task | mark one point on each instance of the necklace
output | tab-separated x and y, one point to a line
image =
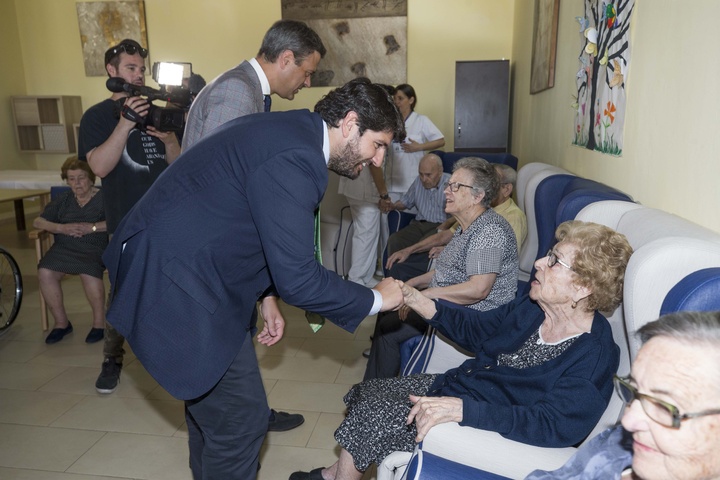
83	203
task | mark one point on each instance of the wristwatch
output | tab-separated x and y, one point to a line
94	228
384	196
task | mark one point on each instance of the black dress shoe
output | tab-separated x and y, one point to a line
311	475
58	334
95	335
283	421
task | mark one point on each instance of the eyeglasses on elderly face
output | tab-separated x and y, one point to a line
553	259
664	413
129	49
455	186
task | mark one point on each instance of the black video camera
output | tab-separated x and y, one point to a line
165	119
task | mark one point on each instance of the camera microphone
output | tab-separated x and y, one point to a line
179	96
117	85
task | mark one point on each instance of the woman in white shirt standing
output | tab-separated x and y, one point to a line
404	158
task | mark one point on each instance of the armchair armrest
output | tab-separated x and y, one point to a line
491	452
43	241
481	449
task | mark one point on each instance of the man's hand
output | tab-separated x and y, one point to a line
392	296
168	138
398	257
430	411
274	326
134	110
385	205
172	146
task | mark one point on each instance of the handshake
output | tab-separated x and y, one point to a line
397	294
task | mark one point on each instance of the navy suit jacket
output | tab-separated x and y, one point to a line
230	217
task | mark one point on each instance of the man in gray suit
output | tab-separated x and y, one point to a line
288	56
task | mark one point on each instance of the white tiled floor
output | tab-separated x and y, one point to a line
54	426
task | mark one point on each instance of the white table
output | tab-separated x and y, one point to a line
30	179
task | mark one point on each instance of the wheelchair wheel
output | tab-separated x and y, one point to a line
11	290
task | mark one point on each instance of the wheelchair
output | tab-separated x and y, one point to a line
11	290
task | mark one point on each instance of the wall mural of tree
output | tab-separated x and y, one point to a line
604	65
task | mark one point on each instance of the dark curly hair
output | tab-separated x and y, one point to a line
373	105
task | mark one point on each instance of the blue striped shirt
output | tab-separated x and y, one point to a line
430	203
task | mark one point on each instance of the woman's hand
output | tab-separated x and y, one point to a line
75	230
435	252
417	301
411	146
397	257
430	411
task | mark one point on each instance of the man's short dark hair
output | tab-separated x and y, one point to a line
112	54
375	108
290	35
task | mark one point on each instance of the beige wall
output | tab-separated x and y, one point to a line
12	82
670	159
671	145
217	35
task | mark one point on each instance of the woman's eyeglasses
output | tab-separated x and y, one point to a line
129	49
455	186
664	413
553	259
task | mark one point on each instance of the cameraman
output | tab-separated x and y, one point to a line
128	159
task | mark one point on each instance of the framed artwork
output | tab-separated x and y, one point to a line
363	39
104	24
545	31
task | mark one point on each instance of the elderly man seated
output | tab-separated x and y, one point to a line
427	197
411	261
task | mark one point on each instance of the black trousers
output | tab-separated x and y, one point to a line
390	332
228	424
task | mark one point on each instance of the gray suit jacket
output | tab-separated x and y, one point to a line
233	94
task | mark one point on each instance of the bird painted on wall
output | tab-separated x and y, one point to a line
610	15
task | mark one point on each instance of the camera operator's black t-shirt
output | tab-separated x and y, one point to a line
142	161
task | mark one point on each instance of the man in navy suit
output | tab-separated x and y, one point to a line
232	216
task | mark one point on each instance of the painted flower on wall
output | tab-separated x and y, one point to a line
609	112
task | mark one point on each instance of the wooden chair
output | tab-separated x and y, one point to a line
43	241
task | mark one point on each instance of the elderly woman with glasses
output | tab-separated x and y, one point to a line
671	426
478	269
543	367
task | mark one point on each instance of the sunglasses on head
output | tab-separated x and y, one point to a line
129	49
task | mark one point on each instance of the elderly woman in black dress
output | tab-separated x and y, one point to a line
77	219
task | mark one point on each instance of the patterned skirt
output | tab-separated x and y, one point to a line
377	410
